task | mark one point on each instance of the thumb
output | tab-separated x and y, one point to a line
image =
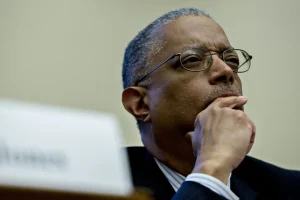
189	136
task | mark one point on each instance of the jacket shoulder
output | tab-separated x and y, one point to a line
136	156
261	174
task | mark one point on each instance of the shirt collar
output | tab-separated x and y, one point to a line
174	178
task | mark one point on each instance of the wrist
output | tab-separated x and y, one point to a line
213	168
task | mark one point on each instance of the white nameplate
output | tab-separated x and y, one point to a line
61	149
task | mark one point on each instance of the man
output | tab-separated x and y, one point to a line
181	82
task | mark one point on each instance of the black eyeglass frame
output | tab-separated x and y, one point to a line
249	57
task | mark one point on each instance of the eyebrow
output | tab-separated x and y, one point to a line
207	46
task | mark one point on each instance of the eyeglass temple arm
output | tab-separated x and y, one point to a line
140	79
247	60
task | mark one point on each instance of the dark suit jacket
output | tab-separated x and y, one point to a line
253	179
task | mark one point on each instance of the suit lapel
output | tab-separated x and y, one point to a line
146	174
158	181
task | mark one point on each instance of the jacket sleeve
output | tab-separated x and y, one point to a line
194	191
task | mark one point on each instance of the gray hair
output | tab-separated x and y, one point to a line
146	44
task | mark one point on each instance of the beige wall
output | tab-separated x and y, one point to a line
70	53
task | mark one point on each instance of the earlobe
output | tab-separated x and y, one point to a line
135	101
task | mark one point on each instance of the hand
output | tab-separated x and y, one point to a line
222	137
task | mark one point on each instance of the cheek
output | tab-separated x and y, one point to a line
238	84
176	104
166	99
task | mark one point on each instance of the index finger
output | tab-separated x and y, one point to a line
230	102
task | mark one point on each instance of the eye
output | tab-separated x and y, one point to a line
192	62
233	62
191	59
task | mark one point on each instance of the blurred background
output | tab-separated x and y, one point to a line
70	52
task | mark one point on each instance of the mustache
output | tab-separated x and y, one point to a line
217	92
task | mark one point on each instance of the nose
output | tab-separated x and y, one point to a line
220	72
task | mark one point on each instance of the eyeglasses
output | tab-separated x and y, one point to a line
197	60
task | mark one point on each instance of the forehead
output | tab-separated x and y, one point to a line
194	31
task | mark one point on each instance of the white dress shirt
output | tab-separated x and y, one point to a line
176	180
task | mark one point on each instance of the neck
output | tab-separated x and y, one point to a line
180	159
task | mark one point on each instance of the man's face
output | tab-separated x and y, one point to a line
176	96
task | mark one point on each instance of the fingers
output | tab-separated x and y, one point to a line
230	102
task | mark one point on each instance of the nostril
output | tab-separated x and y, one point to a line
221	79
224	79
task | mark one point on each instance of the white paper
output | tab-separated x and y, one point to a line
62	149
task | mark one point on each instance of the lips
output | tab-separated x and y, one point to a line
230	94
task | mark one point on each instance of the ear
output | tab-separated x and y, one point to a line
135	101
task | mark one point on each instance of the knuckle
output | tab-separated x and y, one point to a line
249	126
240	114
198	119
196	122
215	110
253	127
200	115
220	100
